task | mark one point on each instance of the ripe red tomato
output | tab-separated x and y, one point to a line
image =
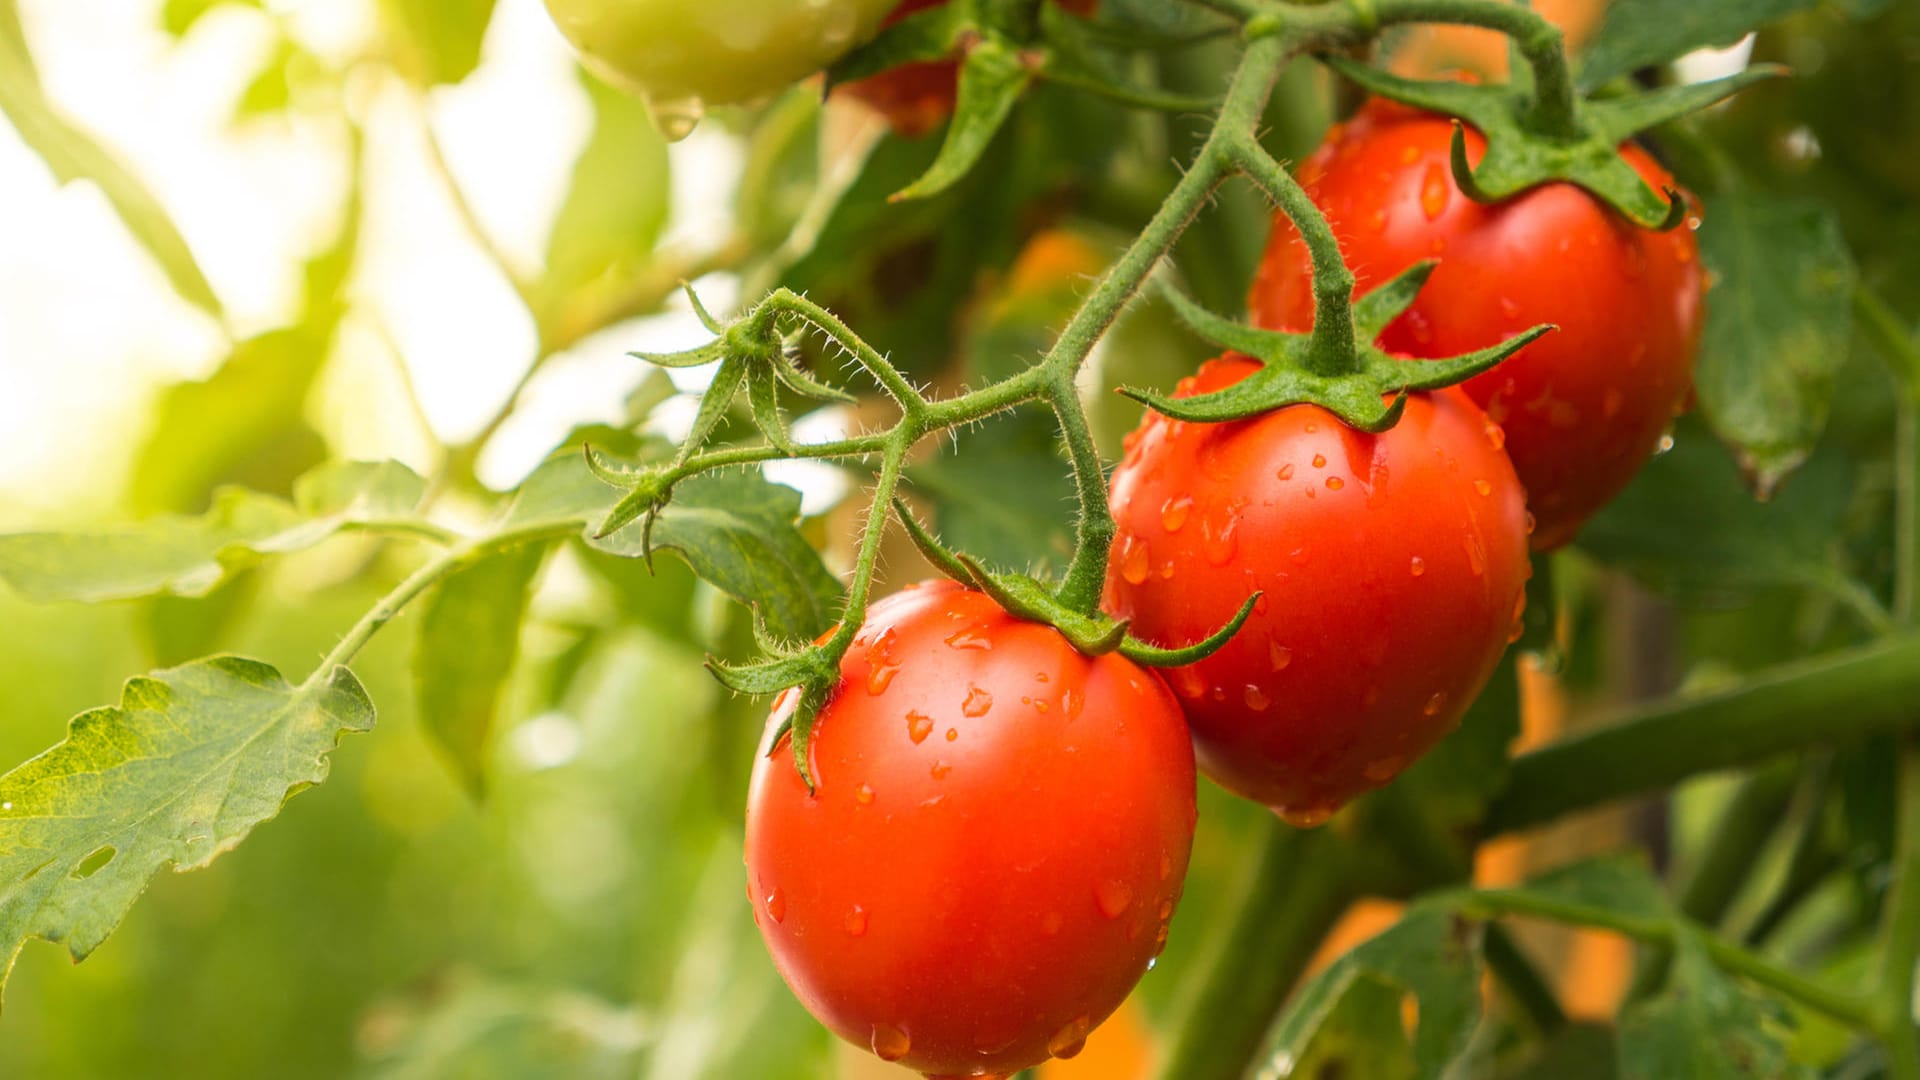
1584	406
916	98
1392	568
995	844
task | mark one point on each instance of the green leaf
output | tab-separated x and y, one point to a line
1647	33
183	556
73	154
436	41
1431	954
737	530
1778	327
180	771
1731	545
1003	493
1620	883
614	209
1704	1026
469	641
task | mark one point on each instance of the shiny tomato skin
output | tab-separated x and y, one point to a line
995	844
917	98
1392	569
1584	407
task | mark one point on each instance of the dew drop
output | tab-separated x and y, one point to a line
1304	817
1166	910
978	702
1159	943
1070	1040
1189	683
1112	897
1530	523
1166	866
953	734
1166	570
1409	155
1174	513
1300	556
1218	693
1071	702
1496	435
1256	698
973	637
1418	567
1666	444
890	1043
1279	656
1435	703
1483	487
1381	770
856	921
1334	483
675	118
1319	461
1434	192
1312	427
881	666
1218	543
1286	471
940	770
1476	554
777	905
863	795
919	726
1133	564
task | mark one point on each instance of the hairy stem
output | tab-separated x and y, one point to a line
1332	349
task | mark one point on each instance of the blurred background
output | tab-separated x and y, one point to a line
301	230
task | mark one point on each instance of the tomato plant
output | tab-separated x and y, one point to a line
1542	540
1322	695
1582	408
994	844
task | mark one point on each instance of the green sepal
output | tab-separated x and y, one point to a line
928	35
1023	597
1518	158
931	549
1149	655
714	405
807	386
992	78
712	352
763	395
776	674
647	491
1370	398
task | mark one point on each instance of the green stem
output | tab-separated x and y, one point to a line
1900	936
1093	535
1839	697
1897	344
1332	349
1540	41
895	384
1301	886
1849	1008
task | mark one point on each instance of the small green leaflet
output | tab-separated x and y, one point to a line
1704	1026
735	528
73	154
180	771
1779	324
1648	33
469	641
189	556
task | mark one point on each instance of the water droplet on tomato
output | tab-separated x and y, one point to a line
1256	698
919	725
863	794
1304	817
1531	523
882	667
1300	556
1334	483
953	734
1666	444
1409	155
1218	693
1381	770
1319	461
1435	703
940	770
978	702
1166	866
890	1043
1133	562
1434	191
1070	1040
1418	566
1496	435
1166	570
1173	513
1071	702
777	905
1476	554
1112	897
856	921
1279	656
973	637
1483	487
675	118
1217	540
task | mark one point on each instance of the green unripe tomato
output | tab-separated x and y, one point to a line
681	54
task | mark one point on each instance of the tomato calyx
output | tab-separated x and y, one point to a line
1003	47
1357	391
1091	633
1580	145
